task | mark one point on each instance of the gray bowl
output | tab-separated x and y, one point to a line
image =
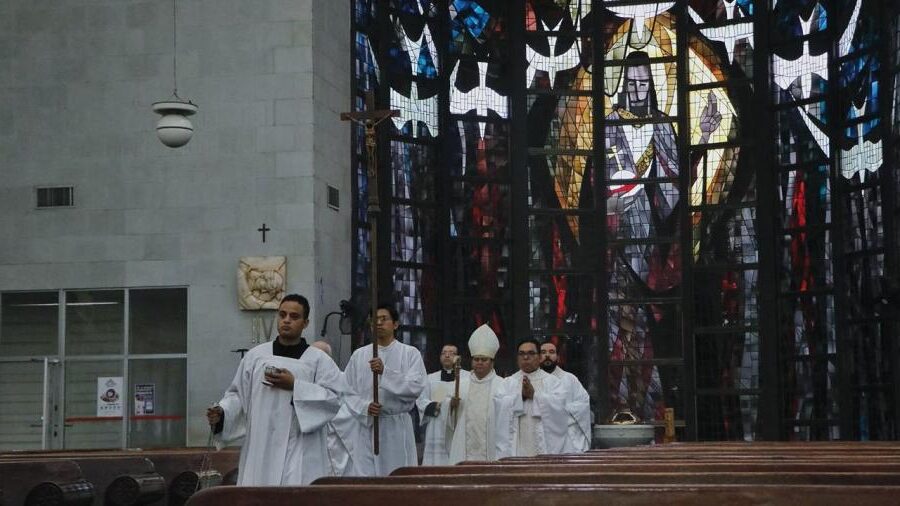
615	436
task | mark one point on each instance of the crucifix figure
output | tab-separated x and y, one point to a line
371	118
263	229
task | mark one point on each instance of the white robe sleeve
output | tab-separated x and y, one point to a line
316	403
579	408
423	402
404	387
235	406
357	405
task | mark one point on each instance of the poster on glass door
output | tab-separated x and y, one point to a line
109	396
144	401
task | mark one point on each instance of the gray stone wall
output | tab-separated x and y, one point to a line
77	79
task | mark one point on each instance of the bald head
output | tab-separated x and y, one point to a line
323	345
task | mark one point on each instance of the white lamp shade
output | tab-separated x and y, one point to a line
174	130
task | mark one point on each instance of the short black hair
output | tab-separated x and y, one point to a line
395	316
532	340
299	299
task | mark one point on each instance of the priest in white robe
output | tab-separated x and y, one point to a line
578	402
281	398
435	411
530	409
473	432
401	379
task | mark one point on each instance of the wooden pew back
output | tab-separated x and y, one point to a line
568	495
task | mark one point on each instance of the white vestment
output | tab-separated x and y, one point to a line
534	426
284	433
473	435
578	405
437	439
341	431
399	386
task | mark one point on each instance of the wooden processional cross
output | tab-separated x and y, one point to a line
371	118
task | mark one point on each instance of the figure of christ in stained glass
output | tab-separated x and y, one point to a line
640	210
643	198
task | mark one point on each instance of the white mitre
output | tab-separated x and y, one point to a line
483	342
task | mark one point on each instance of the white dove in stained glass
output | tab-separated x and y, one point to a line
413	108
553	63
479	99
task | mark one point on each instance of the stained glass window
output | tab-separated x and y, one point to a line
683	196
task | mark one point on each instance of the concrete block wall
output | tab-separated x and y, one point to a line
332	95
77	79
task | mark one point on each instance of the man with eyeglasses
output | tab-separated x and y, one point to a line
401	379
578	402
434	407
530	407
474	425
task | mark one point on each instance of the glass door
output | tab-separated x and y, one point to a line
29	391
30	373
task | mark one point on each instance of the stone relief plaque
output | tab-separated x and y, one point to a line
261	282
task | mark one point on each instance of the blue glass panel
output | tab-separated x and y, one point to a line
469	16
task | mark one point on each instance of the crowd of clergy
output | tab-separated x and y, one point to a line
298	417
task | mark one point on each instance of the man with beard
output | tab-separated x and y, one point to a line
530	408
473	432
578	403
402	378
434	407
282	396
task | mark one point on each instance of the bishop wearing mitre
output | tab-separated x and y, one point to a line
473	427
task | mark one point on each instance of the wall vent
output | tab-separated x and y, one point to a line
55	196
334	198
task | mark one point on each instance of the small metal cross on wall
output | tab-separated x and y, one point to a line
263	229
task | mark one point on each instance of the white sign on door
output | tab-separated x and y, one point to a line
109	396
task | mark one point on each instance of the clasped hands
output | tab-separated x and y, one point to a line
527	389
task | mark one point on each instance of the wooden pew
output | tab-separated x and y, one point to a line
656	467
124	480
648	458
160	476
44	482
569	495
758	445
670	478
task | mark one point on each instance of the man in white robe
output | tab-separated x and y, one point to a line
530	409
578	402
283	394
435	411
473	433
340	432
401	379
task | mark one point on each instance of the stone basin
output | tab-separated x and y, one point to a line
618	435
